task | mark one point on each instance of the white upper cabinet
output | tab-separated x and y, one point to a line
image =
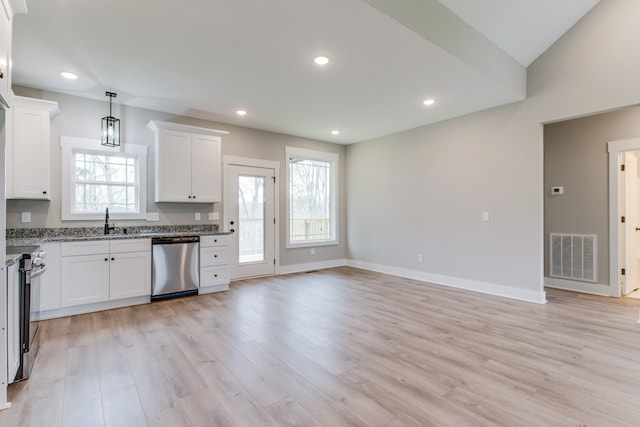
8	8
187	163
206	166
28	148
5	53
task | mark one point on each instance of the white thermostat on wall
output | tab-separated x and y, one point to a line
557	191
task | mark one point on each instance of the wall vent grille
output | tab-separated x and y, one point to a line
573	256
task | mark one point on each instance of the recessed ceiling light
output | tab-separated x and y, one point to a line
429	101
241	112
68	75
335	132
321	60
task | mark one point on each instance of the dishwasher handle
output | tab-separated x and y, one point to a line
174	240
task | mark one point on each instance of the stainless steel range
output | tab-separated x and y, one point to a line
31	267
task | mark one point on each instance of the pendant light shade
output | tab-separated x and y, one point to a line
110	127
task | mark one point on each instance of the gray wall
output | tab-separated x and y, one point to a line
575	156
423	190
80	117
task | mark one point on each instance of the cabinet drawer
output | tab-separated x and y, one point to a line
206	241
214	255
89	247
130	245
210	276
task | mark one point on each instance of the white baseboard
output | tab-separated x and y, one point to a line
90	308
538	297
301	268
574	285
214	288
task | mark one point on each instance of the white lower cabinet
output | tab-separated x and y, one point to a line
100	271
214	263
129	275
85	279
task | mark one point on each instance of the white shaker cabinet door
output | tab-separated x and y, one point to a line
130	275
5	53
85	279
205	169
173	167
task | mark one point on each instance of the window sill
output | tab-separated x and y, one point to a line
312	244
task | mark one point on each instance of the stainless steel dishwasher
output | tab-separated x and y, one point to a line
175	266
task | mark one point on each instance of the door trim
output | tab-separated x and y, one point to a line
615	148
228	160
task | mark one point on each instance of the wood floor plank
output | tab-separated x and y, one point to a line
339	347
82	395
122	407
289	413
204	410
237	402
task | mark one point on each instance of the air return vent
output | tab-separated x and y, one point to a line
573	256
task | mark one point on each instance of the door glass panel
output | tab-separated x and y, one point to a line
251	218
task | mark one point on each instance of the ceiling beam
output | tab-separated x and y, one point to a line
437	24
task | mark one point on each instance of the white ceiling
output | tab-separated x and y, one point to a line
208	58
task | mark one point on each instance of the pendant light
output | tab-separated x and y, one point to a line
110	127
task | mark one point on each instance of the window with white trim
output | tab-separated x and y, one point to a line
95	178
312	197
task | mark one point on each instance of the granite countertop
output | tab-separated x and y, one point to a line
12	259
38	236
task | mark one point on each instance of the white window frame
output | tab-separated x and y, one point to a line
68	145
333	159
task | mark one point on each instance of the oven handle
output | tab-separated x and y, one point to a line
38	270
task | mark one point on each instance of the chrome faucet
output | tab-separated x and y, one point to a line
107	229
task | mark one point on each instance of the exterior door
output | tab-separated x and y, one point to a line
251	217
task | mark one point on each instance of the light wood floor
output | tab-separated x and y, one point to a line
339	347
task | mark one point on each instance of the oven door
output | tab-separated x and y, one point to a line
29	313
34	304
34	308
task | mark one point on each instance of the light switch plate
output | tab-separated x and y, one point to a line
26	217
213	216
485	216
153	216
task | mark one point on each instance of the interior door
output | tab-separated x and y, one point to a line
630	235
251	216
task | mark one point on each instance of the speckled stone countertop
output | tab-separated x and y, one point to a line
37	236
12	259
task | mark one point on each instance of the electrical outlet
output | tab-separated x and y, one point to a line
153	216
213	216
312	251
420	258
486	216
197	216
26	217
